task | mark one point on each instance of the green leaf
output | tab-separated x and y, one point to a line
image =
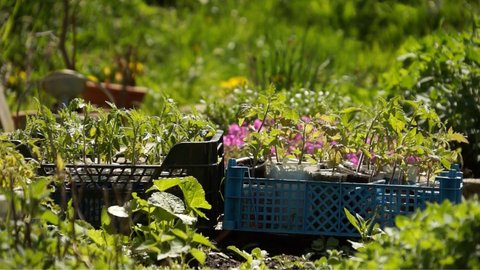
167	201
200	239
332	242
118	211
59	164
356	245
164	184
446	163
186	219
92	131
242	253
97	236
397	124
177	248
259	253
105	218
401	221
240	121
146	245
352	220
51	217
39	188
199	255
350	110
194	195
180	233
457	137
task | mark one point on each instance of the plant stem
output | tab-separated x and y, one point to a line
14	212
360	161
334	162
304	138
393	170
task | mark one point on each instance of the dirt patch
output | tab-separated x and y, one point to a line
283	251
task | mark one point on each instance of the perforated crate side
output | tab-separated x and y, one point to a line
317	207
99	185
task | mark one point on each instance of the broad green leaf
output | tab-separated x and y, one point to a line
164	184
51	217
177	248
419	138
397	124
199	255
97	236
194	195
168	202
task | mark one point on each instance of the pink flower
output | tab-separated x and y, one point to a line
297	138
236	136
306	119
257	124
352	157
234	129
309	148
412	159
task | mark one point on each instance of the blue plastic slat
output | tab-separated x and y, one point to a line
316	207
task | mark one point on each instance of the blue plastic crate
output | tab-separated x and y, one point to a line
316	207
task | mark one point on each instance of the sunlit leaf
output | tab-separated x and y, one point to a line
118	211
168	202
199	255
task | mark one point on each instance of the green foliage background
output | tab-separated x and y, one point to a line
188	47
343	51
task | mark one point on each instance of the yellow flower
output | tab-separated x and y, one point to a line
23	75
139	68
92	78
118	76
107	71
234	82
12	80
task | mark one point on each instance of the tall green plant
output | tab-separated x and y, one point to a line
168	233
444	71
101	136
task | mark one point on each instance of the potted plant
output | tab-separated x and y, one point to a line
121	151
403	142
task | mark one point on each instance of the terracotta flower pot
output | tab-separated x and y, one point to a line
101	93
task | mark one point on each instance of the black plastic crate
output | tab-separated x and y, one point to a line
94	186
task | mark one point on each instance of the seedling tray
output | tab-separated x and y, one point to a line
94	186
317	207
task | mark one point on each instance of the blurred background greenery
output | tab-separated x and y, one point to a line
200	51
